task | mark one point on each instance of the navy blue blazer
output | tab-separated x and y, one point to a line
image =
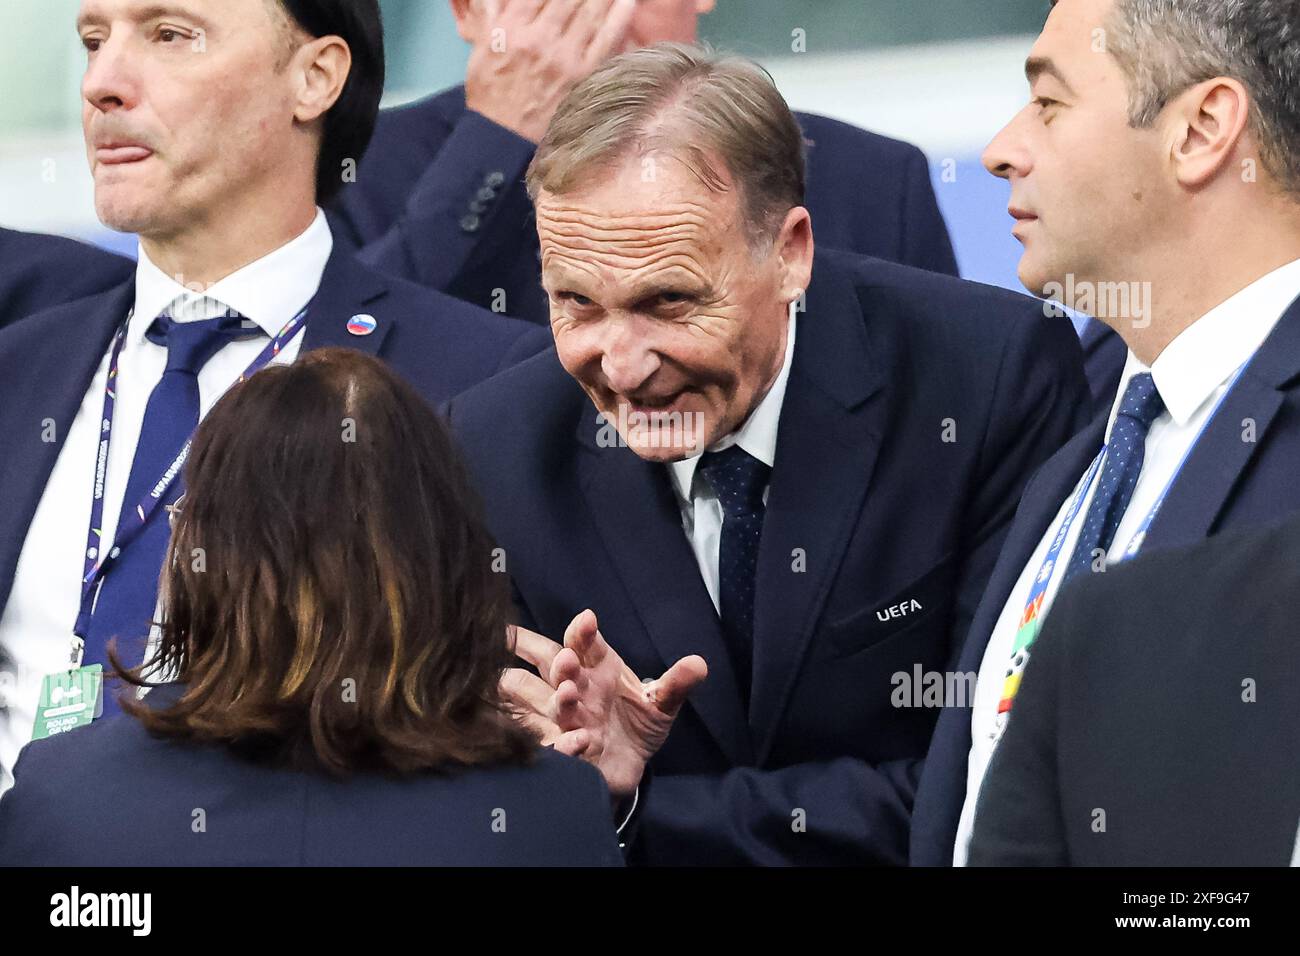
112	795
441	345
1241	474
38	271
916	407
440	199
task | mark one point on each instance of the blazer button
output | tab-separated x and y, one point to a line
477	207
470	223
495	179
486	194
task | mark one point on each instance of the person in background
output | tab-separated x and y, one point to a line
215	130
330	667
39	271
791	466
1161	169
440	197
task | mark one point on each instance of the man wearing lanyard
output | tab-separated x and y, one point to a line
213	129
1158	724
1179	190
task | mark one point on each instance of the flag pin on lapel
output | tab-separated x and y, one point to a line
362	324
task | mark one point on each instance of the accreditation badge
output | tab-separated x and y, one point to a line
69	699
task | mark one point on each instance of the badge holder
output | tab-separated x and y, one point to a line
70	699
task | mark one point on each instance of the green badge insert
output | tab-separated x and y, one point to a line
69	699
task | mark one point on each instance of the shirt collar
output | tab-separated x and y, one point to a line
269	292
1206	353
757	435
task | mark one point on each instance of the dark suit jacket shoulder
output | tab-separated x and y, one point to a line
405	139
441	343
872	194
112	795
992	345
972	313
39	271
1158	722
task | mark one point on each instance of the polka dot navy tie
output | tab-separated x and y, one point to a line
739	480
1140	406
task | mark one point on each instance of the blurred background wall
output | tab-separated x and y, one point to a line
943	74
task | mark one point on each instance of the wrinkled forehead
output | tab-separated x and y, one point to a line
624	224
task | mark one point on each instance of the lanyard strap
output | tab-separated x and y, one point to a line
1044	576
98	564
1033	607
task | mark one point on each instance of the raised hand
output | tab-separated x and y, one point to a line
530	53
599	708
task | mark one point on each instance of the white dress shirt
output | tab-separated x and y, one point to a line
1192	374
701	509
36	627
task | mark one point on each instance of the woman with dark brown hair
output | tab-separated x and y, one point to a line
325	682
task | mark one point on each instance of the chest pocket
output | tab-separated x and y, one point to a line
921	600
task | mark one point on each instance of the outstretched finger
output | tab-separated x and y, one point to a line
534	648
670	691
584	637
567	666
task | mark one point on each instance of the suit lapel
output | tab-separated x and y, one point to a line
634	510
831	428
1226	447
348	290
49	363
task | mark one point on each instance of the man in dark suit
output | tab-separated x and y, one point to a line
39	271
237	269
864	444
440	196
1203	435
1159	723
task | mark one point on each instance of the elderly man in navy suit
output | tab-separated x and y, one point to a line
792	471
1186	132
440	196
213	131
39	271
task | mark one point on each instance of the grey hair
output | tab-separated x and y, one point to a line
691	103
1165	47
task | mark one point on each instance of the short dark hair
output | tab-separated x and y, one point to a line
345	615
1165	47
350	124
